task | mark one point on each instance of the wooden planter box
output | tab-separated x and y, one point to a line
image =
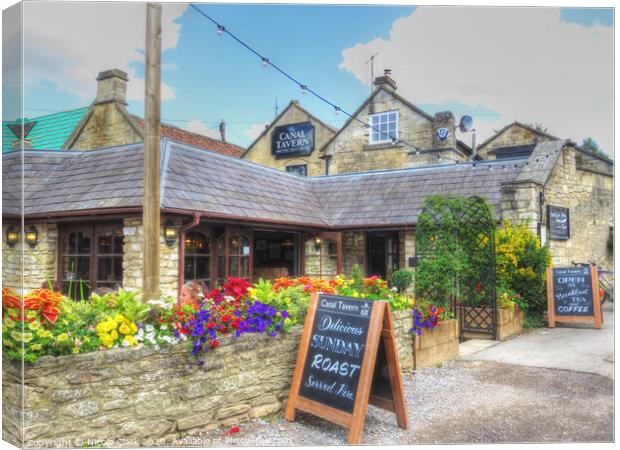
435	346
509	323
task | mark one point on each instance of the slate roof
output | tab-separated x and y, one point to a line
49	131
226	187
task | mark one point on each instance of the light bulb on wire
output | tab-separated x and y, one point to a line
337	110
264	61
304	89
220	30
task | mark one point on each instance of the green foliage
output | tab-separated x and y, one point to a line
293	299
452	237
401	279
358	278
521	265
532	320
589	144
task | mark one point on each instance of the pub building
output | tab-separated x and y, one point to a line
255	217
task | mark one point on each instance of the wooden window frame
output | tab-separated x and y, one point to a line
228	232
208	233
94	230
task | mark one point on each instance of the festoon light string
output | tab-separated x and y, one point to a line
221	29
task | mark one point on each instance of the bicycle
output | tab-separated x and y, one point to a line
605	281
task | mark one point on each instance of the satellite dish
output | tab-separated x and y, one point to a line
466	123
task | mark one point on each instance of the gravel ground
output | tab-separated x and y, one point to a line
461	402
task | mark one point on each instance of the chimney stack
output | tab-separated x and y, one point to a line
111	87
386	80
223	130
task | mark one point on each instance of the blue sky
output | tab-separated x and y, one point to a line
212	77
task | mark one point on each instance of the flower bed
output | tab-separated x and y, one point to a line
147	389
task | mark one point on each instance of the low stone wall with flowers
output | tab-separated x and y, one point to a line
128	397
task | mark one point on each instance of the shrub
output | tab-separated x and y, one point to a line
521	264
401	279
357	277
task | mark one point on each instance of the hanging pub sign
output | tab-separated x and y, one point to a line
347	359
573	295
558	221
292	140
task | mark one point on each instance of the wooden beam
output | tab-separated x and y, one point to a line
152	124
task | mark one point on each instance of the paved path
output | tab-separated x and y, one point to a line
572	347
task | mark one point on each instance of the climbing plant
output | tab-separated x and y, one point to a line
455	245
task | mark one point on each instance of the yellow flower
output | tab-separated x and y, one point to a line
114	334
124	329
35	347
75	350
34	326
16	335
28	337
9	323
31	314
134	328
62	337
120	318
107	341
130	340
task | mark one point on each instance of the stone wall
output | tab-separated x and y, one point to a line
134	255
260	151
353	251
351	151
589	197
130	397
107	126
39	263
511	136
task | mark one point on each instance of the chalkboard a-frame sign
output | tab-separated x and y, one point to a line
573	296
347	359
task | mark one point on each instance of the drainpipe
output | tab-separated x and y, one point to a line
181	278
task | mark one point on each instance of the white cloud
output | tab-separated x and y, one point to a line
196	126
69	43
255	130
521	62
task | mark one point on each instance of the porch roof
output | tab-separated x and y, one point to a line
58	182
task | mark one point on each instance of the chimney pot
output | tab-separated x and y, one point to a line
111	87
386	80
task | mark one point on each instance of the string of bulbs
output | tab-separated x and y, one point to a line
221	30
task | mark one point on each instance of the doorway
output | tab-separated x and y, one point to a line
383	253
276	254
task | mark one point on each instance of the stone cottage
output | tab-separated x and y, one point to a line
105	123
292	142
83	209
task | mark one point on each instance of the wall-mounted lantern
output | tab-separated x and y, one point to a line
32	236
12	236
170	233
317	243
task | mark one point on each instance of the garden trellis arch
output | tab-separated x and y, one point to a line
455	254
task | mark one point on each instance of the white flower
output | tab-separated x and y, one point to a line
163	327
150	336
149	327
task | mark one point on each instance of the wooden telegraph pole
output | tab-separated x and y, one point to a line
152	124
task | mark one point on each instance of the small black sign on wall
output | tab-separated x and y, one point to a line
558	220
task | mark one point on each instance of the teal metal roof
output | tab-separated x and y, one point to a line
48	133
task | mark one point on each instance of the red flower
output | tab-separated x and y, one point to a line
215	344
209	325
478	286
233	430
